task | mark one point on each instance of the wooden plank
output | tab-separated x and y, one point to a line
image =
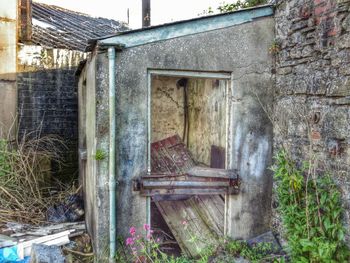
189	229
24	248
6	241
211	211
212	172
204	214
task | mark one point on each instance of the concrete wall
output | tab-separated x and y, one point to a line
241	50
8	51
207	113
92	137
313	85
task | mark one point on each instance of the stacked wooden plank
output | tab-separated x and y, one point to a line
23	236
196	220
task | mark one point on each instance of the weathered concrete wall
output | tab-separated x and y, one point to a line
207	118
313	84
92	137
47	98
243	51
8	51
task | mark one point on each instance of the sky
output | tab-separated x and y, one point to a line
162	11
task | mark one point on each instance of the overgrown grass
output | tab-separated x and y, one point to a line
25	182
310	206
144	248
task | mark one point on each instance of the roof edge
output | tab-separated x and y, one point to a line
182	28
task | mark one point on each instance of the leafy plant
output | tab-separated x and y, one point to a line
239	4
275	47
100	155
256	253
311	212
143	247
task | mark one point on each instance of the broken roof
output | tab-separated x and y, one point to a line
57	27
182	28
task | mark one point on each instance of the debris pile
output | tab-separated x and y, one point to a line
17	240
34	206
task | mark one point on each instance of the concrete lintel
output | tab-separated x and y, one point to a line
183	28
191	74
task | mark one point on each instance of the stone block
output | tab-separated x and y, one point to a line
284	70
339	87
336	123
344	41
317	84
307	51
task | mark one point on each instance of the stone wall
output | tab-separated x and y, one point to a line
313	84
47	98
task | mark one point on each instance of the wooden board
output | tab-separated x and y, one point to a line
198	221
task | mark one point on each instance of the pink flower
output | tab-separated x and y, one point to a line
146	227
132	231
129	241
184	222
158	239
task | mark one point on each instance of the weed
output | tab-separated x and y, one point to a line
25	181
100	155
311	212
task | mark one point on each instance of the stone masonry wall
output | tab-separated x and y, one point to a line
313	84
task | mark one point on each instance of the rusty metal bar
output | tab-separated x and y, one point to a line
186	192
198	181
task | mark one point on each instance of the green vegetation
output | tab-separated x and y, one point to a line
100	155
239	4
144	247
254	254
309	204
4	159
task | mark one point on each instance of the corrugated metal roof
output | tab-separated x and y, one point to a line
57	27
